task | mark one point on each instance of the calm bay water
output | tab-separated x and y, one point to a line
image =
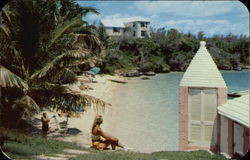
146	111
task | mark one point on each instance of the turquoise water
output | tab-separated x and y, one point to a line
237	81
147	110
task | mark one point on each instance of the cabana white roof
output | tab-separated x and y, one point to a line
202	71
237	109
121	21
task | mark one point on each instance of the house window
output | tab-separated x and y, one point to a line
143	24
133	33
143	33
133	24
116	30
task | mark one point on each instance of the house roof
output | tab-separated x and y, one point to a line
237	109
120	21
202	71
109	23
135	19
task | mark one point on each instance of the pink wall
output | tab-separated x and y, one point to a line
222	99
183	119
246	139
222	96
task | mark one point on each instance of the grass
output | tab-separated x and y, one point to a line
21	146
164	155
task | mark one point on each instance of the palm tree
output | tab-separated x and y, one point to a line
43	42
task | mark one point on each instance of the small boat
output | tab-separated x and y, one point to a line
237	67
238	94
234	94
118	81
149	73
132	74
226	67
145	78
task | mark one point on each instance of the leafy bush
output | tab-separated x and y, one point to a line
118	60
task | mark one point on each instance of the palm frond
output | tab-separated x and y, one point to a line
7	23
63	76
9	79
86	10
88	40
92	42
61	62
6	30
60	30
60	99
67	76
70	102
6	13
29	106
49	67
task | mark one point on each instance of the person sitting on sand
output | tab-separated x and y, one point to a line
97	133
45	124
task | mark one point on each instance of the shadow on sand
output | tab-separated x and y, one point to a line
73	131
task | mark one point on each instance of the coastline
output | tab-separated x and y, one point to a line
126	114
79	128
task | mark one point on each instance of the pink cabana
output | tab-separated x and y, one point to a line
202	90
235	125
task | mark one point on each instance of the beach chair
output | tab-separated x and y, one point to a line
92	72
62	127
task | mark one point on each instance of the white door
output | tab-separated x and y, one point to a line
224	134
238	138
201	116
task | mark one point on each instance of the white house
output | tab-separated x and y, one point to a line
137	27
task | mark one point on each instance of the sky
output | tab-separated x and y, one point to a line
211	17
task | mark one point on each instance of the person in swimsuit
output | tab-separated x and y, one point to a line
101	140
45	124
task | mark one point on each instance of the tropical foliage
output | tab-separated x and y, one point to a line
170	50
42	43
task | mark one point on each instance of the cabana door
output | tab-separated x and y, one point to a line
224	134
238	138
202	104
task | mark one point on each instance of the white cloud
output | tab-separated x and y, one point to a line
187	8
209	27
93	17
114	20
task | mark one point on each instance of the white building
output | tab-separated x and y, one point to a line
131	27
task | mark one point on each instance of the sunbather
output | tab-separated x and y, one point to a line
101	140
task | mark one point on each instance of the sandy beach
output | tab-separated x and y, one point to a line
80	127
